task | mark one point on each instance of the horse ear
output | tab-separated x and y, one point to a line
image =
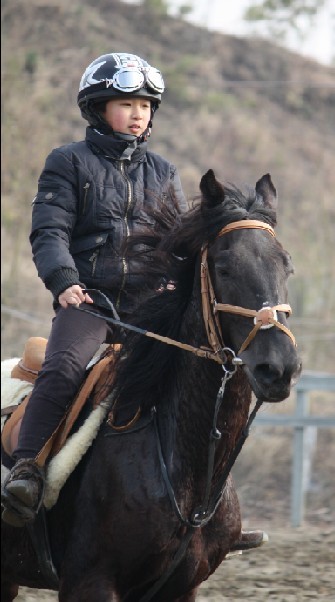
266	189
212	191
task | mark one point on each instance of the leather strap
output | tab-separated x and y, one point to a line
100	378
263	317
253	224
212	323
58	438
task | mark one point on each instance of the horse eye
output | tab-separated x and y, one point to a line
223	268
222	263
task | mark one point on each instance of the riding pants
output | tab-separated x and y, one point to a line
74	339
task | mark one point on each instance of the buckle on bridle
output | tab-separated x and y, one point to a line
264	315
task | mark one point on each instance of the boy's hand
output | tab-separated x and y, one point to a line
74	295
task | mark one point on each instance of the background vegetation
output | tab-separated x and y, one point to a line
244	108
240	106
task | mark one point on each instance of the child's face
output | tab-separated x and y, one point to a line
128	115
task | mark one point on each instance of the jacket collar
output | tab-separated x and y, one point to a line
112	148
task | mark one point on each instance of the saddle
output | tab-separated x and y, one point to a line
96	386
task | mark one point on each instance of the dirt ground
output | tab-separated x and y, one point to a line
296	565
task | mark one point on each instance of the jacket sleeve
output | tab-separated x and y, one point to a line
53	218
177	189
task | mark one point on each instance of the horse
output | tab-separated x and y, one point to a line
151	510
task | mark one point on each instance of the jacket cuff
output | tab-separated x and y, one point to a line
61	280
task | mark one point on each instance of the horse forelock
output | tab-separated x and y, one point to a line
236	206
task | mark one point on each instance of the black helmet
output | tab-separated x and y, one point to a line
115	75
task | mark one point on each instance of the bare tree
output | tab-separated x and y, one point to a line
282	16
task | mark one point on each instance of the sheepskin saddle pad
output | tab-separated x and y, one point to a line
64	448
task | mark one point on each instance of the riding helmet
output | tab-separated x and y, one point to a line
117	75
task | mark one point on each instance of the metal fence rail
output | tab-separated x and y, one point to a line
304	435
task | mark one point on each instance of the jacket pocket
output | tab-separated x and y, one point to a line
87	254
46	194
87	242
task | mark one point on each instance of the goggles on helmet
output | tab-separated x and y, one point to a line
131	79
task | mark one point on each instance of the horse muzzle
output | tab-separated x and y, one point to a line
272	380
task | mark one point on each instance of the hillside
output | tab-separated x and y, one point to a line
242	107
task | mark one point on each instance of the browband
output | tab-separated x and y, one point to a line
247	223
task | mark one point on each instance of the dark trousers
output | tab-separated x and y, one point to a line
74	339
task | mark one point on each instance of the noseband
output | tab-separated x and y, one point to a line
265	317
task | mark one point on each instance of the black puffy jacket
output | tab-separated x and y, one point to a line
88	202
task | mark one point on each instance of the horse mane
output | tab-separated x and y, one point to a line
168	251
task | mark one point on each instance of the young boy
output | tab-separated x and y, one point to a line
91	196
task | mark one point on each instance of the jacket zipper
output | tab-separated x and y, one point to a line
93	259
124	261
86	188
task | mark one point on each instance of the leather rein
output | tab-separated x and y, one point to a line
265	317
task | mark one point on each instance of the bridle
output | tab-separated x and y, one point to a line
264	318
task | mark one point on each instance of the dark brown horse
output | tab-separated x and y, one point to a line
151	512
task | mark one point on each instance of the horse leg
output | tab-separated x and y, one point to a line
87	590
9	591
190	597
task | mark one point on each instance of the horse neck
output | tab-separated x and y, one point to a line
196	388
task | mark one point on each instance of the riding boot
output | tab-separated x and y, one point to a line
22	493
250	539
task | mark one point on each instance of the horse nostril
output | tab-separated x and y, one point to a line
268	373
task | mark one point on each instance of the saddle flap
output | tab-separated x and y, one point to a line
97	383
11	429
99	379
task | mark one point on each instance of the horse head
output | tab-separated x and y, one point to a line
249	270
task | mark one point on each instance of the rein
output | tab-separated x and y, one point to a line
264	318
199	351
203	514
